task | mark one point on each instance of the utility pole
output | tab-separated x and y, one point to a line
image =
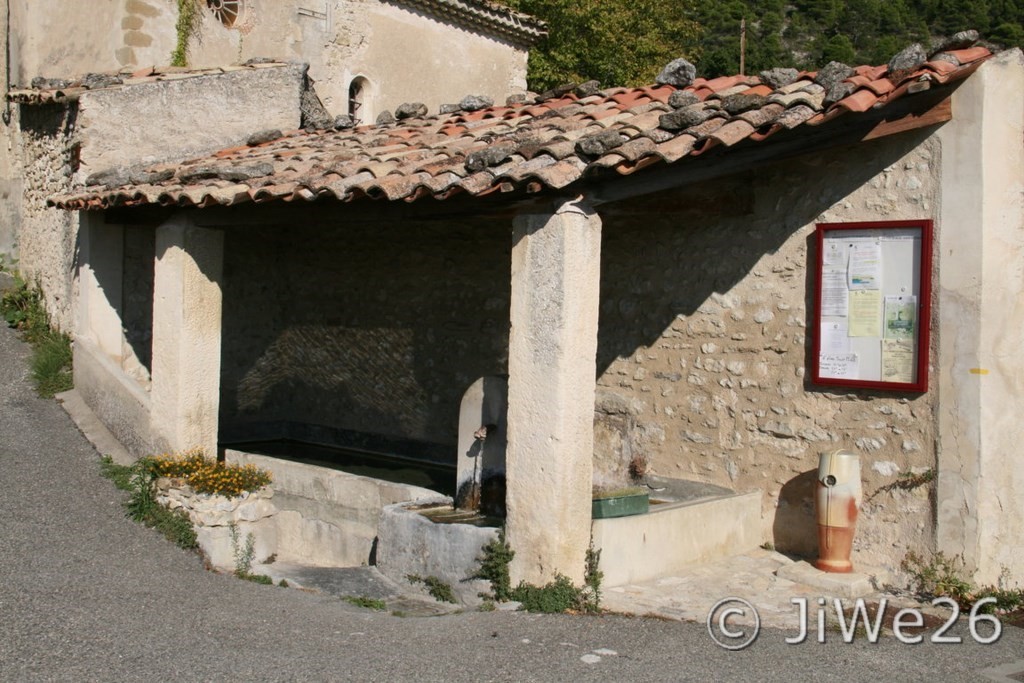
743	46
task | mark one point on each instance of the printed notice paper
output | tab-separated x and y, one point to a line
833	293
865	313
835	255
900	317
897	360
839	365
865	270
834	338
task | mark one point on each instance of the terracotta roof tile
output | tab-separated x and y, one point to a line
536	143
969	55
861	100
676	148
733	132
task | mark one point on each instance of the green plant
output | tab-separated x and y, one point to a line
556	596
907	481
942	577
438	589
257	578
209	476
368	603
494	567
938	577
22	308
283	583
142	507
244	553
119	474
590	596
186	28
51	365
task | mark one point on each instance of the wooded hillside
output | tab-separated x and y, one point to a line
626	42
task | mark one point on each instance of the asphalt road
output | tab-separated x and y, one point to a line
87	595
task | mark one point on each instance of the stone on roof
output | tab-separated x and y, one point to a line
531	146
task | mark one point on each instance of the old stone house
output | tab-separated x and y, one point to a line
361	57
638	262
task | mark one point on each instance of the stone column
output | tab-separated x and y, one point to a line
981	323
186	336
552	375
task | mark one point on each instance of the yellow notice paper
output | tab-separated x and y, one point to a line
865	313
897	360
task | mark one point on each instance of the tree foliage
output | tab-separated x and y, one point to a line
626	43
616	43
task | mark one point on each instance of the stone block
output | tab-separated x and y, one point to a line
853	585
410	543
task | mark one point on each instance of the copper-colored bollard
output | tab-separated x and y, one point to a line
838	498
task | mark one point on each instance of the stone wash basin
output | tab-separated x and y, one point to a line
688	522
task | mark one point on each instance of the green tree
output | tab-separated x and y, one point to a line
616	43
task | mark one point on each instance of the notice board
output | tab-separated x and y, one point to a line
872	305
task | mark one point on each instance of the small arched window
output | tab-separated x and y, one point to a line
358	92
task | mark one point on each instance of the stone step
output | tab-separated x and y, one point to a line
698	526
356	582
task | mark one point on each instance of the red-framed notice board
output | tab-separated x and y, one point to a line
872	305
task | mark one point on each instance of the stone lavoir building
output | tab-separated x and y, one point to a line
640	263
359	59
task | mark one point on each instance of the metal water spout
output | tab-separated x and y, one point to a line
480	460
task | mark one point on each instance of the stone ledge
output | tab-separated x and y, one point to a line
853	585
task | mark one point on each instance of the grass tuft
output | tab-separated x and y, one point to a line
368	603
22	308
142	507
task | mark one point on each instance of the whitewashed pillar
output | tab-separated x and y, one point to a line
186	335
552	374
980	385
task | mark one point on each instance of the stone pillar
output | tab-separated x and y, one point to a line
101	259
980	506
185	391
552	375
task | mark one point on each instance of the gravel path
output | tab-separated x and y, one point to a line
87	595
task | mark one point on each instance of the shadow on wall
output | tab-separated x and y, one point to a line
372	327
684	268
795	529
380	325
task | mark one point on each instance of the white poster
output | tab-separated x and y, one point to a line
835	255
835	337
865	270
839	365
834	294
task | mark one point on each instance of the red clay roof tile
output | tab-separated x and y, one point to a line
427	158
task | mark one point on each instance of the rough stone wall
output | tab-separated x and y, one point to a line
48	237
704	344
174	119
375	328
406	56
57	38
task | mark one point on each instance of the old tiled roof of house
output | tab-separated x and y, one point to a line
489	17
59	90
533	147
